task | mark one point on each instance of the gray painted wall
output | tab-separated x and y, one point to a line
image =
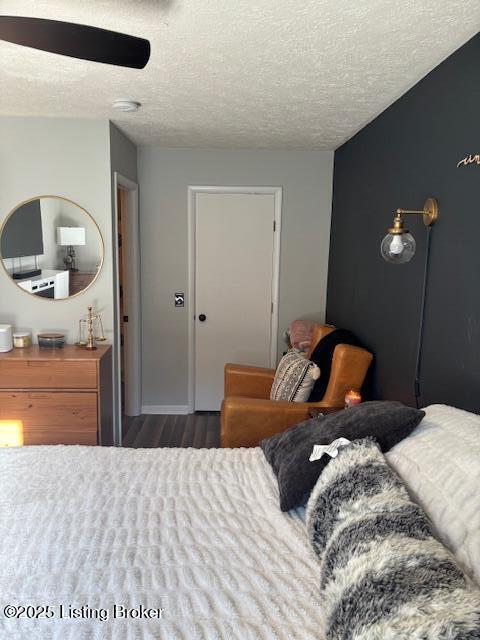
70	158
164	174
123	153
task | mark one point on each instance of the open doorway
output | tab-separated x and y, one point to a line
128	302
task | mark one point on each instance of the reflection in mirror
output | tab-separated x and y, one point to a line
51	247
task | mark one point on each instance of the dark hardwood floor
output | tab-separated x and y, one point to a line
198	430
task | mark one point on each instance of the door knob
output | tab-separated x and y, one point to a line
202	317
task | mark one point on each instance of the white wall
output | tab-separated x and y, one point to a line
164	175
65	157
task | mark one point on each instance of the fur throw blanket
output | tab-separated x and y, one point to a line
300	334
383	575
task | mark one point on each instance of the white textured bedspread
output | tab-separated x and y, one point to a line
197	533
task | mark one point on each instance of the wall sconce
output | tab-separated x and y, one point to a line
11	433
398	246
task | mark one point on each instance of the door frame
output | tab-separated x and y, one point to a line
135	317
193	190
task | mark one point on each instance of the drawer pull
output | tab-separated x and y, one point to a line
37	363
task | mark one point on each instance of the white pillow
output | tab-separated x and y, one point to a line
294	378
440	464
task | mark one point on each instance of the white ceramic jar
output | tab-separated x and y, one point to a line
6	341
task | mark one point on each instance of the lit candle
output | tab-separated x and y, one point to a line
11	433
352	398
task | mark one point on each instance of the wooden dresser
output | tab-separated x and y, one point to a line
62	396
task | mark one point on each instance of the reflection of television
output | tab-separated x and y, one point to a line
22	234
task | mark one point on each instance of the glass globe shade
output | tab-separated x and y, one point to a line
398	248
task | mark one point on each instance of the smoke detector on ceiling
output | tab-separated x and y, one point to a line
128	106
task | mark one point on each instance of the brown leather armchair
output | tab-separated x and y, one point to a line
248	414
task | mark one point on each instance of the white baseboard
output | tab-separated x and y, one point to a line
166	409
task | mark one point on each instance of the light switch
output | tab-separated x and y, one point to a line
179	299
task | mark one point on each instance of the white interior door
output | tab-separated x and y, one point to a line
233	287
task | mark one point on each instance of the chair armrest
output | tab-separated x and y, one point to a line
246	421
349	368
249	382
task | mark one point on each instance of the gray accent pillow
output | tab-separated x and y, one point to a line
288	453
382	573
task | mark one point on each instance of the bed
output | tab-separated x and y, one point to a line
197	533
179	543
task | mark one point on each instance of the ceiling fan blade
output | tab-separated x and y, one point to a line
76	40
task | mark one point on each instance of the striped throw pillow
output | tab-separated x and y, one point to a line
294	378
383	575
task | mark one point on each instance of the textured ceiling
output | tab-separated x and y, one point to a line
233	73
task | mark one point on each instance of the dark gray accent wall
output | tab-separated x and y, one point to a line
408	153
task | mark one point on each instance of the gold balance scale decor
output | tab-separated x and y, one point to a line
88	324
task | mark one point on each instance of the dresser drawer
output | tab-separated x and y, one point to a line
47	374
52	417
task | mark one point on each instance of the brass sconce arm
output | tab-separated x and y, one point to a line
402	212
429	212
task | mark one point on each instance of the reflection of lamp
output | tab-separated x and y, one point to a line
11	433
398	247
70	237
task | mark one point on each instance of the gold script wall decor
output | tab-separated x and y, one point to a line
470	159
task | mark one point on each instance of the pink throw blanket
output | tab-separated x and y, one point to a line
300	332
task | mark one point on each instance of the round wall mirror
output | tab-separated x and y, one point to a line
51	247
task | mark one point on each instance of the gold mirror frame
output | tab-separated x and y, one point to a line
102	247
